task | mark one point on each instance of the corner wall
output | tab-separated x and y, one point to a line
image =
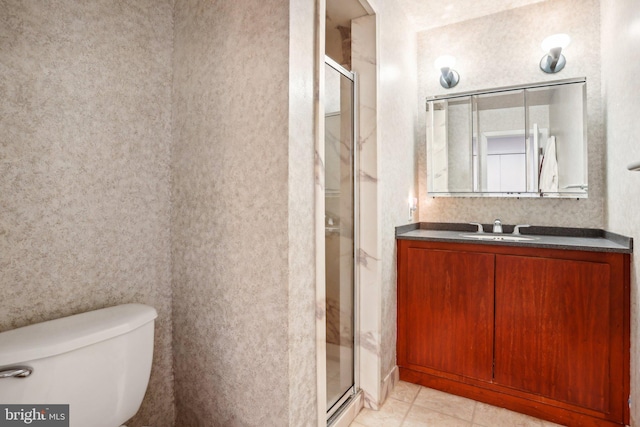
502	50
85	125
620	70
244	336
303	118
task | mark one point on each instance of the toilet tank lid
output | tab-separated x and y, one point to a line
59	336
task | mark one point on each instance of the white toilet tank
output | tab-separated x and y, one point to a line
97	362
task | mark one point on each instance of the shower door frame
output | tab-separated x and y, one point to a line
334	411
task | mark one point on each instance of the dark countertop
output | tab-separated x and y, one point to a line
583	239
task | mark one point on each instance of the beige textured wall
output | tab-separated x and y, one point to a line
620	70
501	50
303	114
85	116
244	331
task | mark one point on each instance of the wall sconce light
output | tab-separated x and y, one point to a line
554	60
449	77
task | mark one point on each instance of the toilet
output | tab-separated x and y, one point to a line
97	362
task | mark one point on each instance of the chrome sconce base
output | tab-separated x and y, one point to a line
554	60
551	65
449	78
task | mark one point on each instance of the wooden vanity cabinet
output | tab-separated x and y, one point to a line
540	331
451	294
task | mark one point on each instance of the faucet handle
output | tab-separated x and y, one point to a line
480	229
516	229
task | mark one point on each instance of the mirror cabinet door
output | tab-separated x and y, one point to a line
558	116
449	127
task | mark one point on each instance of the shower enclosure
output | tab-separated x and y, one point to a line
339	234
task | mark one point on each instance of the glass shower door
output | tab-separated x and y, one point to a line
339	233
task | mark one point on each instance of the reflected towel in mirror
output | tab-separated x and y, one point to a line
549	168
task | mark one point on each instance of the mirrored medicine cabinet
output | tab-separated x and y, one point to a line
517	141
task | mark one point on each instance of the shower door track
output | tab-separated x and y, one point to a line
340	405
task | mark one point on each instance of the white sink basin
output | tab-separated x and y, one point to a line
498	237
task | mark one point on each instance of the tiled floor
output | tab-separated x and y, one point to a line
411	405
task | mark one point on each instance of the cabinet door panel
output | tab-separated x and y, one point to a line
553	328
449	311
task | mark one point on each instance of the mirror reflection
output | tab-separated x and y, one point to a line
515	142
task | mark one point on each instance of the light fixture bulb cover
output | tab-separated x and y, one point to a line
445	61
557	40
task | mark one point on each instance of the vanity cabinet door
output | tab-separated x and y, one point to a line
446	311
559	330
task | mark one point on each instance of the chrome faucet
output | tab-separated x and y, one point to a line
497	226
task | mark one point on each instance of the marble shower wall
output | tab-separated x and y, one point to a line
397	115
85	120
620	70
364	62
384	56
243	239
501	50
